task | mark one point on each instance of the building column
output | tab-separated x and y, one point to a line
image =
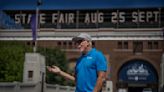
161	81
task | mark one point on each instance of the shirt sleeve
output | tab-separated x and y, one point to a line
101	62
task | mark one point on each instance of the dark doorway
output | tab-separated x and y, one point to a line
135	89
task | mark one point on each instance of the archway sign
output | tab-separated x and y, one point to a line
138	71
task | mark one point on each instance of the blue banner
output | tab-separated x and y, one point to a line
33	26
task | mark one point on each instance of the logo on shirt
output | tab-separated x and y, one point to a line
89	57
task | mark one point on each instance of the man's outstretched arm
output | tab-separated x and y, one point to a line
56	70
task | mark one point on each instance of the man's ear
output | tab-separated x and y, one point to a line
88	44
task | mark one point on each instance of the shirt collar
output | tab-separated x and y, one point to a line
89	52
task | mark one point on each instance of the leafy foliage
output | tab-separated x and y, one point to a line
11	61
55	56
12	56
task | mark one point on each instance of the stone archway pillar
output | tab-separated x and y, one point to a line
162	74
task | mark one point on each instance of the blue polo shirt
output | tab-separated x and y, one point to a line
86	70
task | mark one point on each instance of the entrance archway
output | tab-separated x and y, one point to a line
137	76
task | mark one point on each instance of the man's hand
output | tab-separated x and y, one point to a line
54	69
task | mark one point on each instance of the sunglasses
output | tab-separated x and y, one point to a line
79	41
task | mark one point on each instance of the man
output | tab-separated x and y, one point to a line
90	69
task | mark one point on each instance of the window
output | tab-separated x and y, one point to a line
122	45
153	45
150	45
119	45
64	43
126	45
30	74
137	47
33	43
70	43
28	43
93	44
59	43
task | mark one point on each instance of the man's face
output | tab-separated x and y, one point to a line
82	45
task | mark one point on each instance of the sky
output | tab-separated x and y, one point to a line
79	4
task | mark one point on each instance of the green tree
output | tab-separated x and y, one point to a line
11	61
55	56
12	56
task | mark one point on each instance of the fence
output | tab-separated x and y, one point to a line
33	87
36	87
